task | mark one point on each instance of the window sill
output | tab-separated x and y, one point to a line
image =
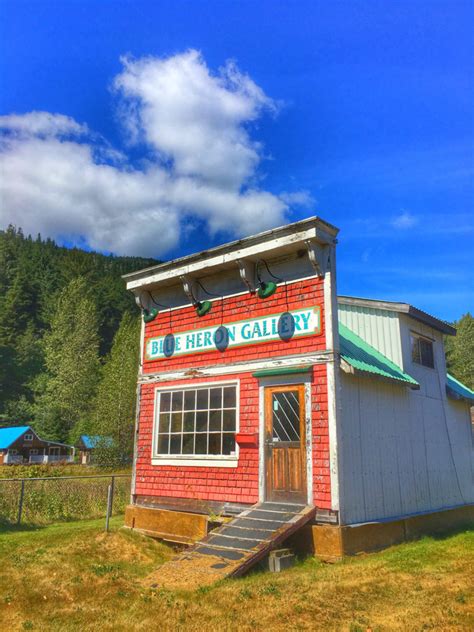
199	462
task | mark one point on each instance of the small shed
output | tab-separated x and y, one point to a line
21	445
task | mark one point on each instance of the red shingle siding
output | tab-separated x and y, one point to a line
240	484
301	294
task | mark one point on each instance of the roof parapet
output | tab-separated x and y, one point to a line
305	234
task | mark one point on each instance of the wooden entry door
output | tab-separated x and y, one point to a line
285	453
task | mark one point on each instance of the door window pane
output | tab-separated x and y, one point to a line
286	416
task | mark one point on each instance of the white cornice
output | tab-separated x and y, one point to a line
273	243
238	367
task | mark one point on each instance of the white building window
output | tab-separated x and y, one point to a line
33	451
422	350
196	421
28	437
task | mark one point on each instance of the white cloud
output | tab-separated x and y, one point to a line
404	220
60	180
43	124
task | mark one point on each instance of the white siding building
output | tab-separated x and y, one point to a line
404	448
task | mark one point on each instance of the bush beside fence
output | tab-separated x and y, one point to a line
41	501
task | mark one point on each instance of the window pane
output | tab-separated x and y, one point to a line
175	444
197	421
215	420
426	351
286	416
188	443
215	398
229	397
201	421
202	399
415	350
229	420
188	422
190	400
176	422
177	401
215	443
164	422
165	401
201	444
228	443
163	441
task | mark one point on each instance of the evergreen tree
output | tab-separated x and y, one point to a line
33	272
114	411
460	351
72	364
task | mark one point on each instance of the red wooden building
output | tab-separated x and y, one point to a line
247	387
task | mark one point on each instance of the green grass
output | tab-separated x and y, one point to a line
74	576
56	500
57	469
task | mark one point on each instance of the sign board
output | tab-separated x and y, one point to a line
283	326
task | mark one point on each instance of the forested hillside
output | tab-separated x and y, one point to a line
68	338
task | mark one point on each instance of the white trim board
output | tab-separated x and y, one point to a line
216	370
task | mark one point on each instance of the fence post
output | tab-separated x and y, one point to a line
109	507
110	502
20	504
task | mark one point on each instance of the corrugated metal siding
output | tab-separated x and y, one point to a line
380	328
402	451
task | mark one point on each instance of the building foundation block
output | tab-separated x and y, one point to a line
173	526
333	542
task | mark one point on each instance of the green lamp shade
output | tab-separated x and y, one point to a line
203	308
267	289
149	314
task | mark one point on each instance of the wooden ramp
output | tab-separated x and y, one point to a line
232	549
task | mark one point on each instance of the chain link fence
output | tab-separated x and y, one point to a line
43	501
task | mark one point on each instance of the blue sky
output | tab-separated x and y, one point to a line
160	128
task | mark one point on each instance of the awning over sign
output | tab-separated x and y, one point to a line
363	357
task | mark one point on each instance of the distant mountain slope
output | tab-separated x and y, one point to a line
32	274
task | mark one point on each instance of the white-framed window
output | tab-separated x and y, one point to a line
13	452
196	423
28	436
422	351
33	451
55	451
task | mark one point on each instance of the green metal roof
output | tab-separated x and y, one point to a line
458	389
363	357
281	371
